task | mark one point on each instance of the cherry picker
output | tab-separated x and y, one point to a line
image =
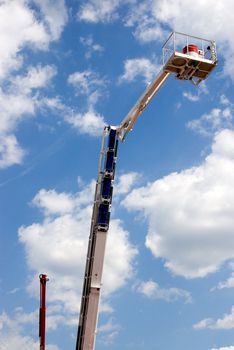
188	58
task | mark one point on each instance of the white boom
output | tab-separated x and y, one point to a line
194	63
128	122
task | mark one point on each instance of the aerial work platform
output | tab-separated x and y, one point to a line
188	58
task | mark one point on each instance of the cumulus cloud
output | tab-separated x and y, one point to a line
89	84
52	202
34	28
19	100
216	120
125	182
12	334
146	27
191	212
36	77
58	245
152	290
95	11
135	67
55	17
227	322
28	30
229	283
10	151
90	122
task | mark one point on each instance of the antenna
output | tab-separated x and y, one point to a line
42	314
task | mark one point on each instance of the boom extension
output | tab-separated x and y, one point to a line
128	122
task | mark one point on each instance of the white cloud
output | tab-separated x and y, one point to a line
206	323
191	97
14	107
120	254
85	82
88	83
58	245
55	16
37	77
212	122
91	46
19	98
18	101
52	202
191	212
140	17
53	104
227	322
10	151
125	182
99	11
31	29
14	290
225	101
229	283
90	123
12	331
27	30
108	332
152	290
224	348
201	90
136	67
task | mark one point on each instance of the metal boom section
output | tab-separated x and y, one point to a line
97	241
128	122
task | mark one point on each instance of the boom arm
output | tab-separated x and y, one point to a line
128	122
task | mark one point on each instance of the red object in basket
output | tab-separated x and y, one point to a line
190	48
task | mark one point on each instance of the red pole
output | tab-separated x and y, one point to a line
42	314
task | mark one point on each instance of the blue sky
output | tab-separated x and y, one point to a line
68	68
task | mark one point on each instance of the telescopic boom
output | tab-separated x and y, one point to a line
193	61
